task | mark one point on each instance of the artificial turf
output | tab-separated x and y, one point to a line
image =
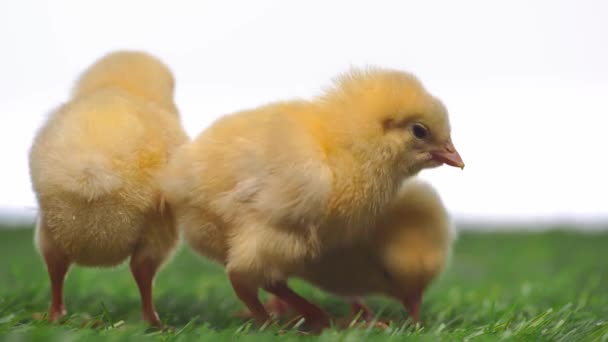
510	286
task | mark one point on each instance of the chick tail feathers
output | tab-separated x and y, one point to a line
88	175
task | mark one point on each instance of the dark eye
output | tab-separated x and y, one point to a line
420	131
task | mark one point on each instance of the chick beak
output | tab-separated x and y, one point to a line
448	155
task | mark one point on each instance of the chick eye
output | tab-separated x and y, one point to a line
420	131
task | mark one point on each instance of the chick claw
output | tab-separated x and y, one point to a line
56	313
378	325
275	307
352	323
152	318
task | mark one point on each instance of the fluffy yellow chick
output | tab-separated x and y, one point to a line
94	168
410	246
265	191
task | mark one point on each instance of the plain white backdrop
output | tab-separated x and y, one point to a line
526	82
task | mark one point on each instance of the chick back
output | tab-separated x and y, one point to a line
93	167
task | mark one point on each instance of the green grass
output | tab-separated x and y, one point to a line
517	286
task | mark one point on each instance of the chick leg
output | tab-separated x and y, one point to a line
144	270
57	264
158	240
276	306
248	294
312	313
357	306
412	304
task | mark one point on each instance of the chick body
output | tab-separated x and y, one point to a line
95	162
266	191
411	245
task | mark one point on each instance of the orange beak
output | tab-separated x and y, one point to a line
448	155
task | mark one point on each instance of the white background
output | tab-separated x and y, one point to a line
526	82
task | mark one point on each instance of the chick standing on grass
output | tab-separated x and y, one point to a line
266	191
410	246
94	168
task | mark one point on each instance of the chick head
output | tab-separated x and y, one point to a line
395	117
138	73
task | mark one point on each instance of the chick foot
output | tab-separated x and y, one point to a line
363	317
347	324
315	317
274	306
248	294
56	313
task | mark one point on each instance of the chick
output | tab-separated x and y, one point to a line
410	247
94	168
266	191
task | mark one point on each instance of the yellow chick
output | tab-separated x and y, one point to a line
266	191
410	247
94	168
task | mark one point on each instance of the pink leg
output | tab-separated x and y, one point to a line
276	306
57	267
248	294
57	264
314	315
412	304
143	271
155	246
358	306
